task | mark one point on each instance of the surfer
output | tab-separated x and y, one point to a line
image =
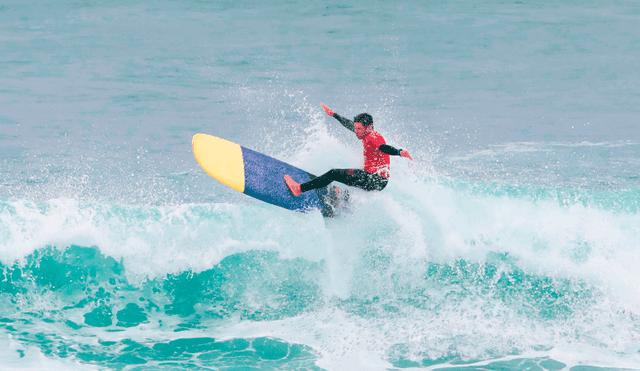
374	176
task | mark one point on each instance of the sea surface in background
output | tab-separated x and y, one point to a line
512	241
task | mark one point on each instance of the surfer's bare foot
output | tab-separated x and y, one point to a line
293	186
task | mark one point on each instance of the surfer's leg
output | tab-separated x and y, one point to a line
315	183
321	181
351	177
361	179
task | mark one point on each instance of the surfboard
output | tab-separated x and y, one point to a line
260	176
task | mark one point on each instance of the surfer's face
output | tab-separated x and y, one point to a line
361	130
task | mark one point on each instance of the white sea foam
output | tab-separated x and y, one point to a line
16	356
413	223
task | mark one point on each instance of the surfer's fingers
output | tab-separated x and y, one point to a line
406	154
327	110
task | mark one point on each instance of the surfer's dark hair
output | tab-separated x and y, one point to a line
364	118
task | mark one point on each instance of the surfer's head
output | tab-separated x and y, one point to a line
364	118
362	124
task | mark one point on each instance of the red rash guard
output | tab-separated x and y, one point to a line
375	161
376	151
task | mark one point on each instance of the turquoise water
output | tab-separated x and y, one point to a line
511	242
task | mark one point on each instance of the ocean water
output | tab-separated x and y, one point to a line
511	242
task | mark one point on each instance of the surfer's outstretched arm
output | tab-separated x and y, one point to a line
344	121
385	148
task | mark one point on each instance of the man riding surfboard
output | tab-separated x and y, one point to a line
374	176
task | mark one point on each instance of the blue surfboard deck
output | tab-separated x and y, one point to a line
264	180
258	175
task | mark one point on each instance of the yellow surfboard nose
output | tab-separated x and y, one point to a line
221	159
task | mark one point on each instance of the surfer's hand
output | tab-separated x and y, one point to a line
328	110
406	154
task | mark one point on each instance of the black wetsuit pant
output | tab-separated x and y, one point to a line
351	177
